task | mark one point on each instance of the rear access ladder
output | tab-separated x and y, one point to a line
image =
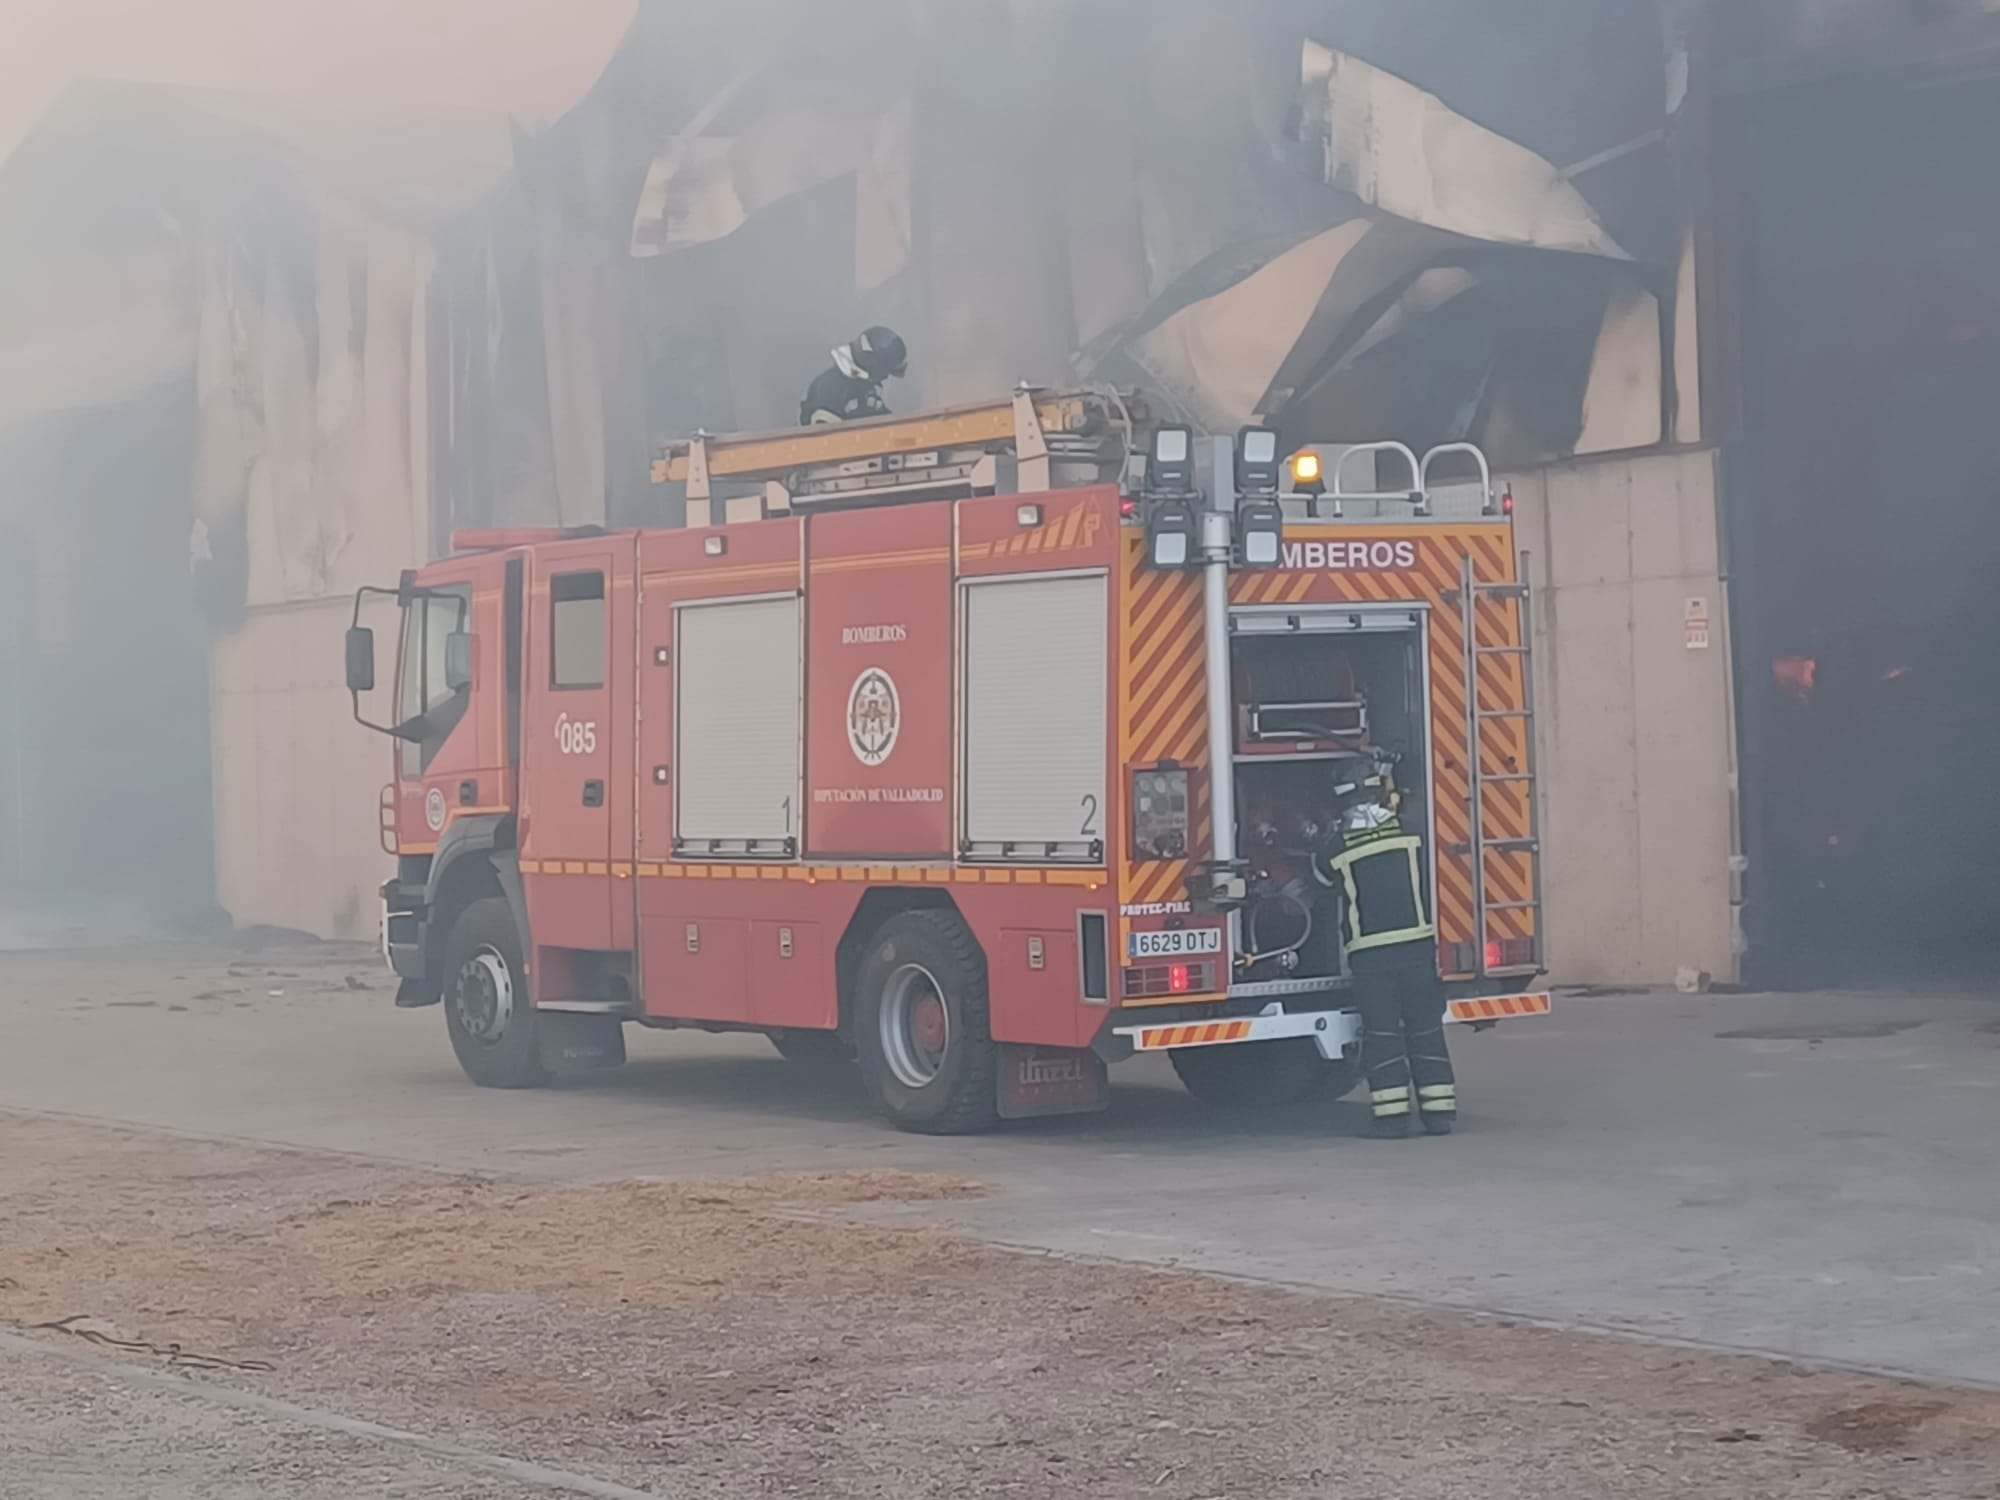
1479	714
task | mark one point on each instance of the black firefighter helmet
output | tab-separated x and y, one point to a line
880	354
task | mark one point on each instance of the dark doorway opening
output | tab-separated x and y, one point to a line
105	751
1865	530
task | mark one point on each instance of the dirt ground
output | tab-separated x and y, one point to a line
738	1338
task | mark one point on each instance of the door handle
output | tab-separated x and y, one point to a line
593	794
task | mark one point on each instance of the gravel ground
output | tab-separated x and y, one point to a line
741	1338
74	1434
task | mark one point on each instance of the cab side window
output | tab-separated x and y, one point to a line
576	630
426	691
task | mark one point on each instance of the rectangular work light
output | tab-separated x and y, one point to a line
1260	532
1257	461
1171	470
1172	528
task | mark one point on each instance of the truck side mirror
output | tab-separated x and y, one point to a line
360	660
457	661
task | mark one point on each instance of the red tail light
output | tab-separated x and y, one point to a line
1177	979
1494	954
1127	509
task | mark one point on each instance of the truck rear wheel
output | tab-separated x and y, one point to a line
486	999
1261	1074
921	1026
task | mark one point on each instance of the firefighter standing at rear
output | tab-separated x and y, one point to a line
1377	869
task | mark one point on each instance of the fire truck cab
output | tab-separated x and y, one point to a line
986	747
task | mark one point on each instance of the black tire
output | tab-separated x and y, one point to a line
486	1007
1260	1075
813	1049
917	955
1342	1079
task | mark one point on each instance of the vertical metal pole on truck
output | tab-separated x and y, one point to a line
1217	549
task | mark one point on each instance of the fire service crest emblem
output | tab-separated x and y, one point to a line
874	716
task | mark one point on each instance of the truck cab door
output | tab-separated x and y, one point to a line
568	788
450	764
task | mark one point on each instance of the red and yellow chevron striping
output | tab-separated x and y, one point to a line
1162	698
1162	685
1204	1034
1499	1007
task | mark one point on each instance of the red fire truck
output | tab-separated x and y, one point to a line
986	746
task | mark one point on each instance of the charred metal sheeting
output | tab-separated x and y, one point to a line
1450	222
1405	151
1313	237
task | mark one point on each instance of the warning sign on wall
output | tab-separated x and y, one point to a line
1695	624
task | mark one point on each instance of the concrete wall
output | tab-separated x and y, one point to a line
1636	740
296	779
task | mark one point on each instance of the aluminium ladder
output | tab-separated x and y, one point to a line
1469	594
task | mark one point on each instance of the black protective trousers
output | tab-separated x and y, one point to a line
1403	1051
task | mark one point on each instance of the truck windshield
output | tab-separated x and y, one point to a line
429	621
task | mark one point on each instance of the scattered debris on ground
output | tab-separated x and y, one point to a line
740	1337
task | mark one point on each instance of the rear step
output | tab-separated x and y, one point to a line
1334	1031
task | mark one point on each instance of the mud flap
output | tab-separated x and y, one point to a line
578	1044
1050	1081
415	994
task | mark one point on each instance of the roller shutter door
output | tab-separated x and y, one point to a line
737	721
1035	688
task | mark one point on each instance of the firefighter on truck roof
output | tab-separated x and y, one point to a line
1392	953
851	387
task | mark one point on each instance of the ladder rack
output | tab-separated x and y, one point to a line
951	452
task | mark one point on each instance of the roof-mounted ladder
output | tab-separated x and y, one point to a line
948	453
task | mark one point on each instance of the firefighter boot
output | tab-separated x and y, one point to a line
1392	1127
1436	1092
1390	1097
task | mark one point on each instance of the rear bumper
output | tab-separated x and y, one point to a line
1336	1033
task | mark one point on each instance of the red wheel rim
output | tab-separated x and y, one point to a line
927	1024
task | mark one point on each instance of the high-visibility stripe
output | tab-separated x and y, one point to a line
1344	863
878	875
1199	1034
1391	1109
1499	1007
1369	845
1381	1096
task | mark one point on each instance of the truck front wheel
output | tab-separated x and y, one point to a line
1263	1074
486	999
927	1052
